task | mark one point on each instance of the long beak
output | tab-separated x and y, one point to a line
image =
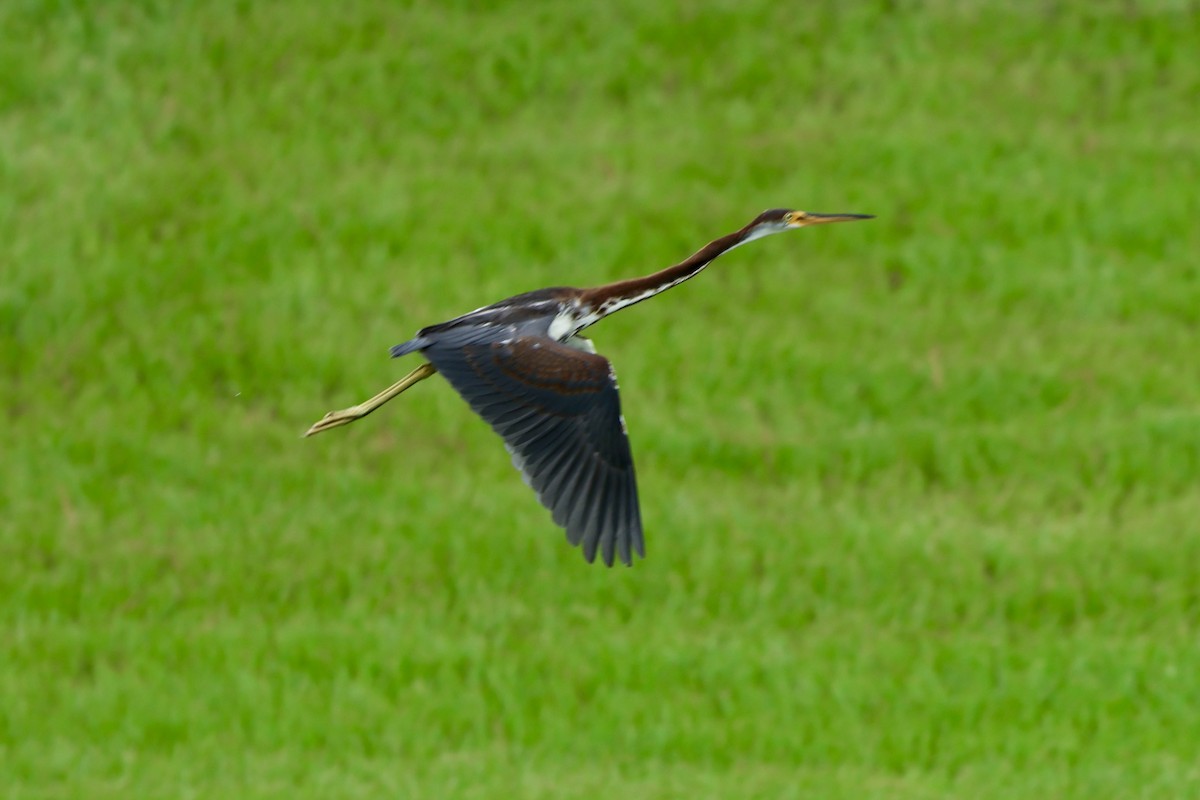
817	219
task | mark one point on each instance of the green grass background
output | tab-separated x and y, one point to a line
921	495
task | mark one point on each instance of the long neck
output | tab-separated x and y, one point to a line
608	299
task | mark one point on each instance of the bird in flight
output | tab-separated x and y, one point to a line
523	367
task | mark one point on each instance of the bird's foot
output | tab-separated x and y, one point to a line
335	419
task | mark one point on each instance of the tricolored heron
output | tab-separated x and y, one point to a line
522	366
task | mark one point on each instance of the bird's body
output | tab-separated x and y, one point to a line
523	367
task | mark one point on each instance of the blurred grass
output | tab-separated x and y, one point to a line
921	495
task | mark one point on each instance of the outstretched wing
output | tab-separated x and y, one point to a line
559	413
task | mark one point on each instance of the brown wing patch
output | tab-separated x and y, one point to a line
560	369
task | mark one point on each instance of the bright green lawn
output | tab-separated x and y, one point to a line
922	495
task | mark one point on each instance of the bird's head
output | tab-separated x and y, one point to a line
777	220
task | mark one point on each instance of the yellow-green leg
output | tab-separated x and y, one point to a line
335	419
